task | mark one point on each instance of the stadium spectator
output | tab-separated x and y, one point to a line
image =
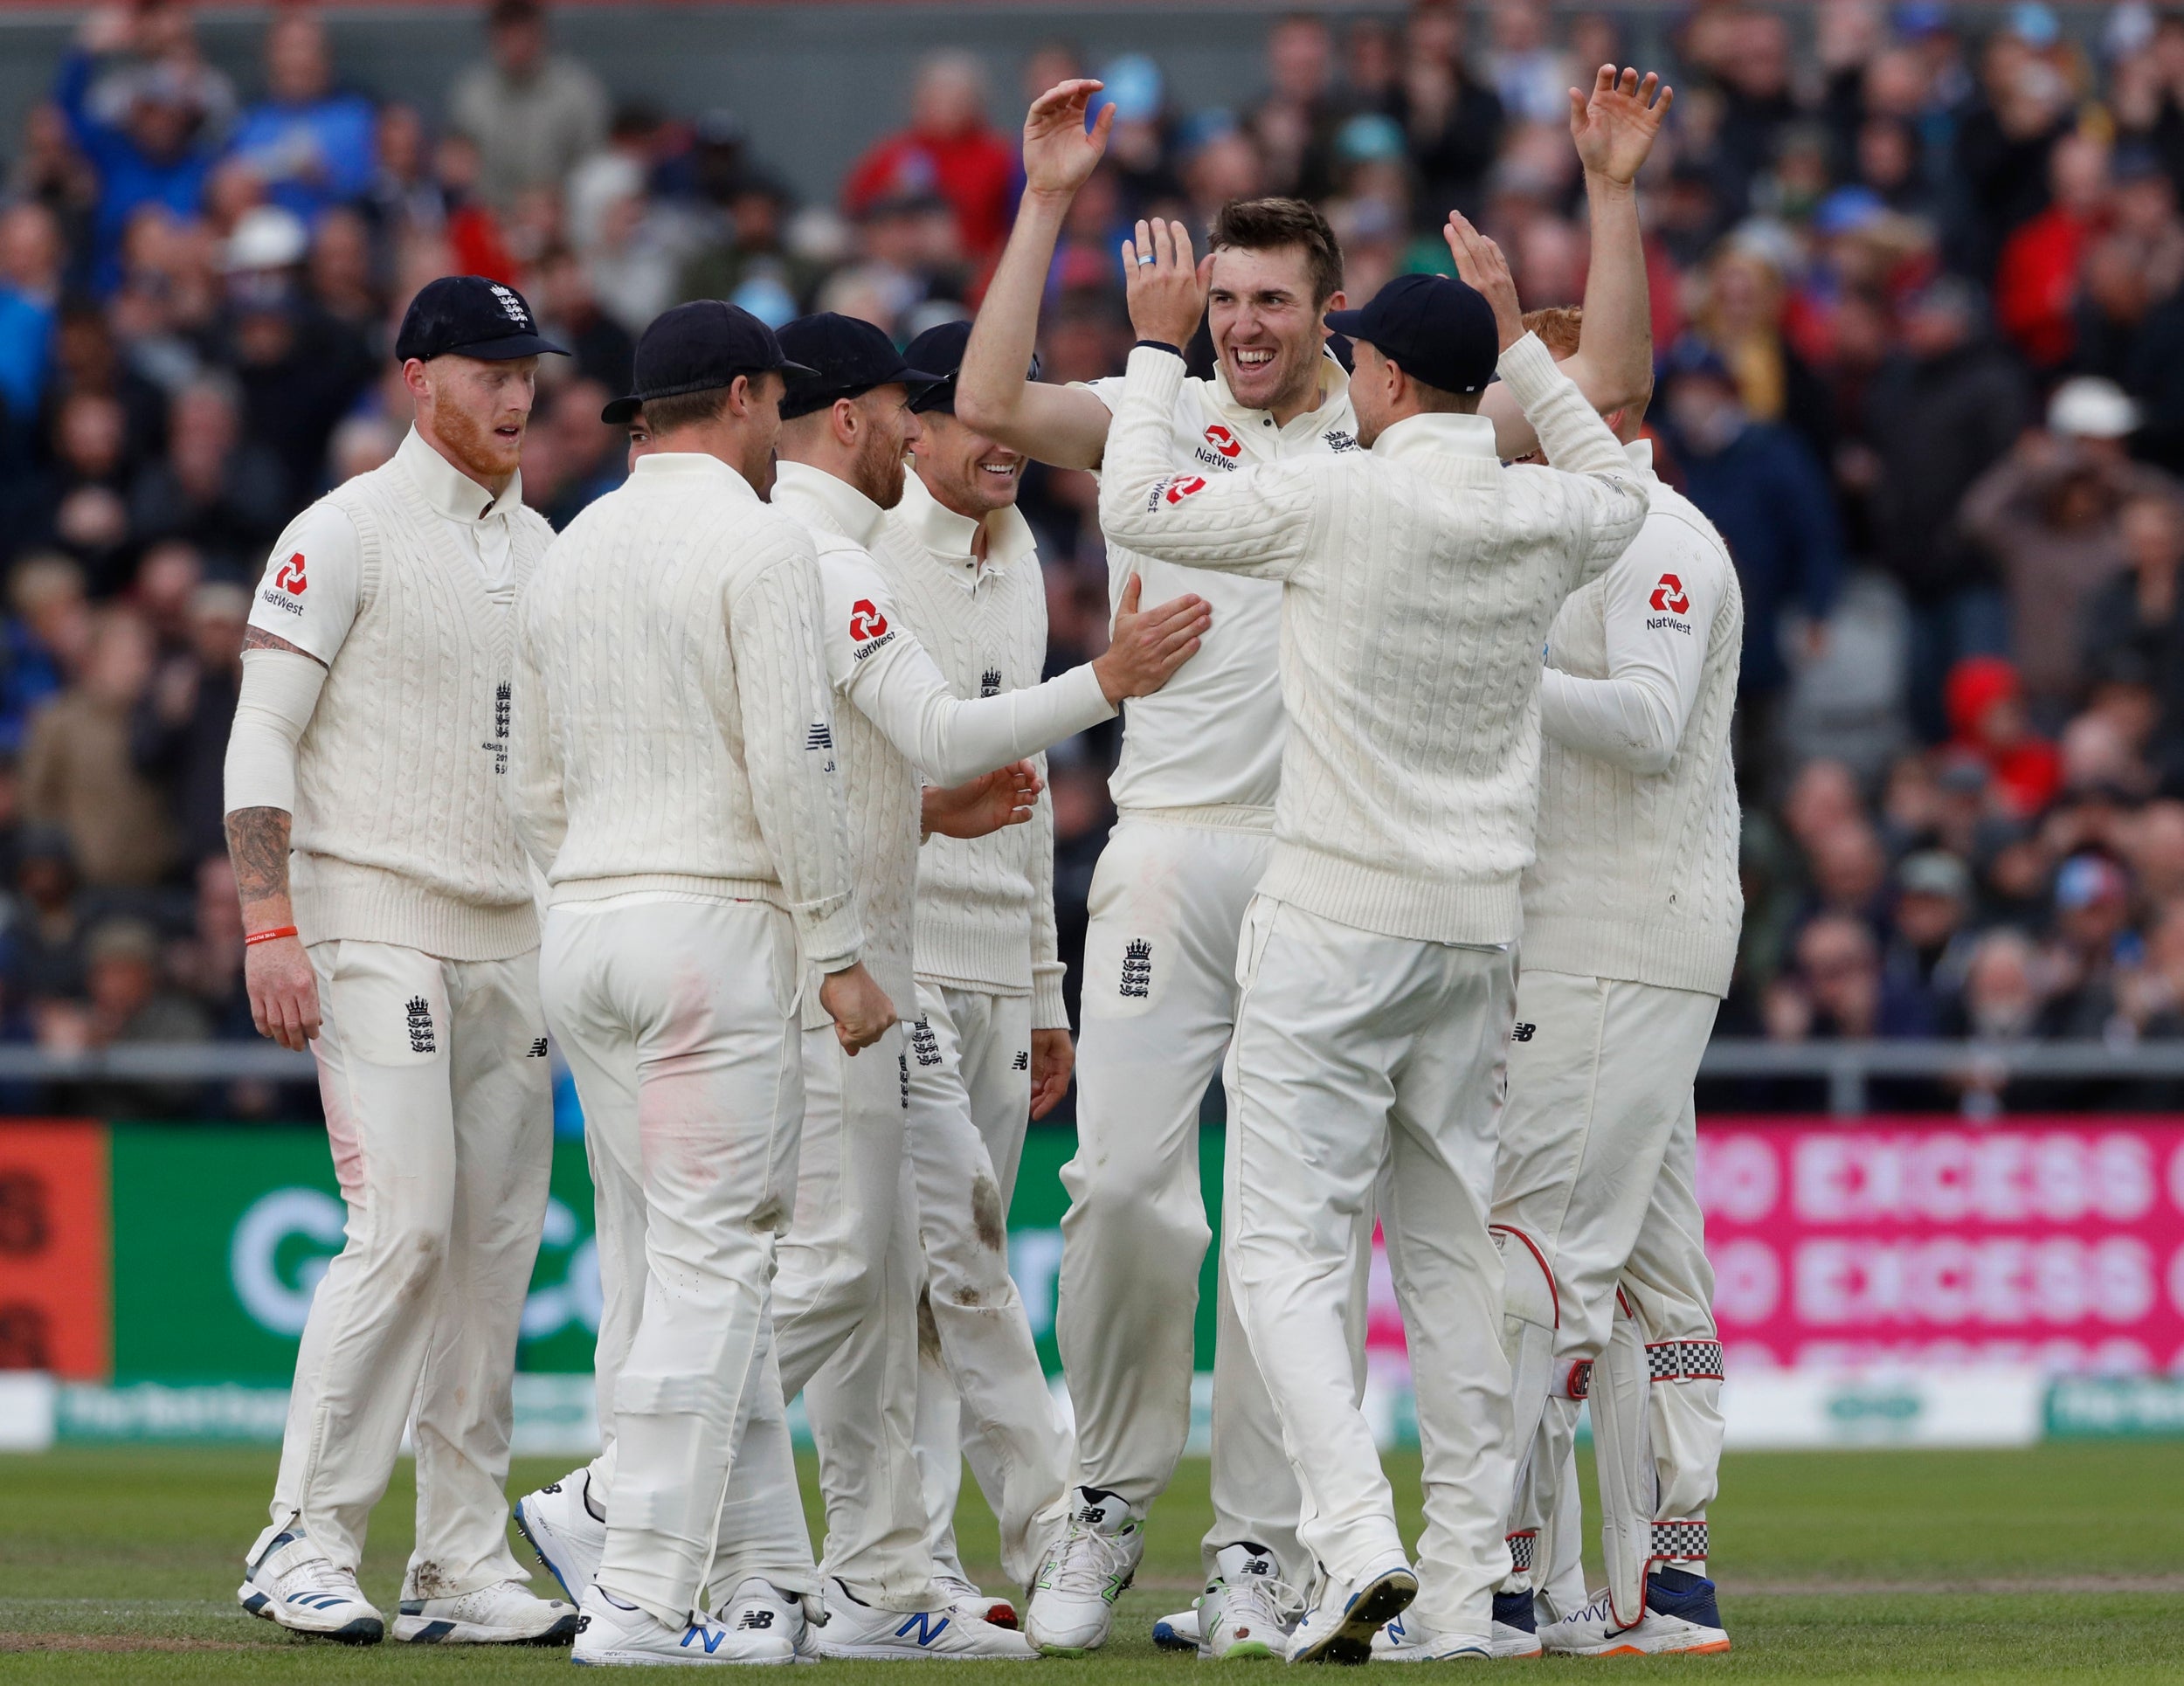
532	113
949	151
178	735
222	494
307	144
77	773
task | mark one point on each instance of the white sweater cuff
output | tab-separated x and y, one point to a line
1048	1010
833	941
1529	369
1158	373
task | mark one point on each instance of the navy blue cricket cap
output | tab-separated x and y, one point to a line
472	315
694	347
847	356
1435	330
941	350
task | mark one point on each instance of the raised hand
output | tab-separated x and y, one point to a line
1059	152
1164	287
1615	129
1481	264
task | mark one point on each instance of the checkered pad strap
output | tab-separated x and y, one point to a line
1684	1361
1683	1541
1520	1551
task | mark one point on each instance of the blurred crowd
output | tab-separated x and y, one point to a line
1919	307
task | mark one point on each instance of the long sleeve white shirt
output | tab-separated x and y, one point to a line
1636	873
1419	578
672	727
900	717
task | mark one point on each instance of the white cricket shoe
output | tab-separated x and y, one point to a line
293	1585
758	1606
1248	1608
1681	1619
966	1599
568	1539
507	1613
1083	1573
1405	1641
611	1633
856	1630
1181	1631
1343	1620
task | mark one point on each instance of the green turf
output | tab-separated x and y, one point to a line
2062	1563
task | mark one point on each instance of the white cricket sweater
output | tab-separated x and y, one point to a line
401	833
671	725
1419	579
1636	874
897	719
985	905
1208	743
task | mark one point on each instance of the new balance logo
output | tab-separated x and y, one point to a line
761	1619
1521	1031
1138	969
989	682
710	1638
925	1044
1023	1060
538	1051
928	1629
420	1019
821	736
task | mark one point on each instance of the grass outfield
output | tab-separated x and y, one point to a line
2059	1563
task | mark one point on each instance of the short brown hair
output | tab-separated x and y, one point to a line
1558	326
684	410
1269	224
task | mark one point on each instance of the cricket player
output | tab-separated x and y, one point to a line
1632	913
1196	793
390	927
849	1255
675	778
1418	578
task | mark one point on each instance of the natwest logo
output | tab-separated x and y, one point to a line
866	620
1184	488
1670	598
1223	441
290	579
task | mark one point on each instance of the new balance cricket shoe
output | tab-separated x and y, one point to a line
966	1599
1248	1608
293	1585
1680	1618
858	1631
1343	1620
614	1635
758	1606
566	1531
1083	1573
1181	1631
1405	1641
507	1613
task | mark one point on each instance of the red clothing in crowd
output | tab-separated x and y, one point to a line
2035	284
1986	718
974	171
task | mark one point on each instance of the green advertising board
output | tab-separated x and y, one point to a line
221	1234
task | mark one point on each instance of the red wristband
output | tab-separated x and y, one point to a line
252	938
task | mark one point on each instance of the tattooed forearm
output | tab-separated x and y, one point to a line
258	843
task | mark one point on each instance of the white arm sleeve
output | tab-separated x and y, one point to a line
279	690
877	663
1635	717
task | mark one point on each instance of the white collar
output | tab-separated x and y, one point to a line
1437	434
693	466
1334	394
947	536
451	492
827	500
1641	454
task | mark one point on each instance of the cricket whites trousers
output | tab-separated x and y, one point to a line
970	1103
1609	1295
1159	1003
433	1075
677	1016
1355	1050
